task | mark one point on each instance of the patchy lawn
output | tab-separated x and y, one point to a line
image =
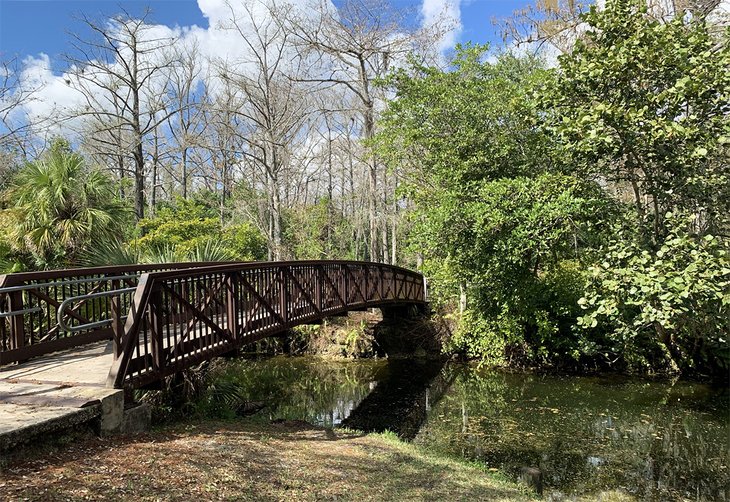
245	460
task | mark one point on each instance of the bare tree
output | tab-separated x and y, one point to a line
223	141
356	44
114	71
16	127
186	124
274	107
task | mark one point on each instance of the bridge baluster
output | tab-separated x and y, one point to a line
156	325
17	322
117	322
232	303
319	273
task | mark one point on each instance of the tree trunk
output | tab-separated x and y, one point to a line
120	163
184	172
276	217
139	181
462	297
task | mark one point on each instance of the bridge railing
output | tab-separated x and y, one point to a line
182	317
47	311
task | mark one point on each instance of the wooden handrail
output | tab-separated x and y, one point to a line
180	317
182	313
30	329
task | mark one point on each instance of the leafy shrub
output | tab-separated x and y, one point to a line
190	230
674	300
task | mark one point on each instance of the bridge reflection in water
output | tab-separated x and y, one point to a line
401	401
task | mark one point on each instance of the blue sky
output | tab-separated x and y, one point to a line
31	27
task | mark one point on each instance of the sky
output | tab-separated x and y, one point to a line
32	27
35	35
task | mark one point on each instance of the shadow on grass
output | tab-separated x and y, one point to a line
244	460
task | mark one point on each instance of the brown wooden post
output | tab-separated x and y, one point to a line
365	284
381	278
156	325
283	295
232	304
117	324
17	322
318	278
346	284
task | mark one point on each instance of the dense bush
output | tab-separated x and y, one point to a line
673	302
58	206
545	198
190	230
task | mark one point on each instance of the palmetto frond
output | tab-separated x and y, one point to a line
61	204
210	250
102	252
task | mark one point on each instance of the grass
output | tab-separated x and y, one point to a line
246	460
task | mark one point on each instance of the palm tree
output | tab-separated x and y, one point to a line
59	205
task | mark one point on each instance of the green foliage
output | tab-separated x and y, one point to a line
494	215
59	206
643	103
637	115
244	242
511	247
190	230
318	232
183	225
673	301
450	128
111	252
210	250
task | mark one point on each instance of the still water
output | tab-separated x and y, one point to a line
654	440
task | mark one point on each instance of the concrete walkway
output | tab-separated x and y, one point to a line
57	391
85	366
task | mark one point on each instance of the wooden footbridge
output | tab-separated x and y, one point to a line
151	321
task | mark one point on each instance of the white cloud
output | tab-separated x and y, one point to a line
51	96
214	10
56	97
435	12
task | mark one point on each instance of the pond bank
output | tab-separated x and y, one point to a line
248	460
586	435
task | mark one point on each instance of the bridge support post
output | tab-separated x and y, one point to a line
17	322
284	296
319	278
406	332
156	326
117	324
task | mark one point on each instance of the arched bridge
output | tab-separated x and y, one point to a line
162	319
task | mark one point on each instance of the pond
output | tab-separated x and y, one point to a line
655	440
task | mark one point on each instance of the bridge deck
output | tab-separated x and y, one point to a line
86	366
53	392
